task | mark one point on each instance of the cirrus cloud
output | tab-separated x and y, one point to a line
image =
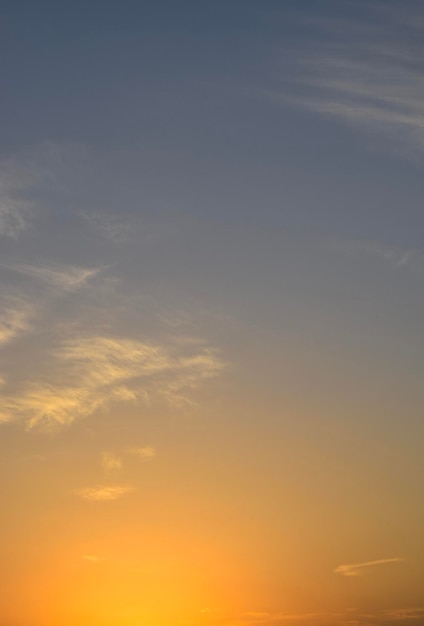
355	569
103	493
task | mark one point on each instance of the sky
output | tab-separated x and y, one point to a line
211	305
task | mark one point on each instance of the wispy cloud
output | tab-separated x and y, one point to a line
103	493
102	370
413	613
16	314
146	453
12	217
355	569
19	308
398	258
266	617
89	339
346	617
111	226
67	278
14	208
92	558
367	73
111	462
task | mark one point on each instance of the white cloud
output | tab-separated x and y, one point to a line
355	569
103	493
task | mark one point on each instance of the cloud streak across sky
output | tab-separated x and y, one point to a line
356	569
367	74
103	493
103	370
65	278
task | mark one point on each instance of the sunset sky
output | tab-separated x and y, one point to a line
211	313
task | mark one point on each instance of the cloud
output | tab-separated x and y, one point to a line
103	493
18	179
68	278
413	613
111	226
96	340
19	307
398	258
147	453
366	73
100	370
13	207
266	617
111	462
354	569
347	617
16	314
12	217
91	558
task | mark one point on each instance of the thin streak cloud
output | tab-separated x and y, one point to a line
12	217
67	278
19	178
146	453
92	558
355	569
103	370
366	76
396	257
15	317
103	493
413	613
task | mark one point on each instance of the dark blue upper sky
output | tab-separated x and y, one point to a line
227	106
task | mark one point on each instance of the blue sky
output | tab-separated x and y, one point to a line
227	104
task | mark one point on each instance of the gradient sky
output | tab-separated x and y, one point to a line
211	292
